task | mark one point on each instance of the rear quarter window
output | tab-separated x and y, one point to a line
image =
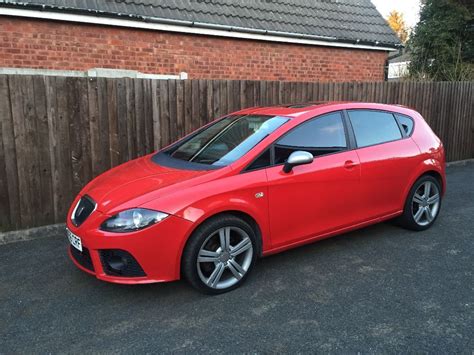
406	122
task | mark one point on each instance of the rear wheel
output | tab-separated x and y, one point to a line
422	205
219	255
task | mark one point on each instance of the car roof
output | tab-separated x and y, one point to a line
310	109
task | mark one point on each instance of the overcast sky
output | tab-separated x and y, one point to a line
409	9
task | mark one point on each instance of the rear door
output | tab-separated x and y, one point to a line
319	197
388	157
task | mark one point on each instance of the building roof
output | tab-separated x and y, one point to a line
351	21
401	58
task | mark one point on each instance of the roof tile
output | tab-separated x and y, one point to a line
350	20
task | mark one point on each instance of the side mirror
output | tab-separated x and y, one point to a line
297	158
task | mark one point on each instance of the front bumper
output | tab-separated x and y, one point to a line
152	254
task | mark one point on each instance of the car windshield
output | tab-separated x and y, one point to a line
226	140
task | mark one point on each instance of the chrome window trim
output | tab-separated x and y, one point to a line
77	205
74	211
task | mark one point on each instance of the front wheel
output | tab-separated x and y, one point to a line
422	205
219	255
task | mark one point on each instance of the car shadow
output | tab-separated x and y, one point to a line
327	251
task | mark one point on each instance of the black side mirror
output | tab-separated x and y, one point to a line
297	158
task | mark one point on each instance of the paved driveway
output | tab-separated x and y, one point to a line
380	289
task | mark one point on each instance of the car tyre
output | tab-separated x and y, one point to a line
422	205
219	255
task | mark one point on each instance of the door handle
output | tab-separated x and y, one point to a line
349	164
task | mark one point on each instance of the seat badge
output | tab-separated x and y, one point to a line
259	195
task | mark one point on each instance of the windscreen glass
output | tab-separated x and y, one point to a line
227	140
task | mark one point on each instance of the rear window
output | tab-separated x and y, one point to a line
374	127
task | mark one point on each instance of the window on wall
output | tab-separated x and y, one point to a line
319	136
374	127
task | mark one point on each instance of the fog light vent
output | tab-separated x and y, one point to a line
120	263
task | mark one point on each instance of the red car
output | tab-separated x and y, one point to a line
253	183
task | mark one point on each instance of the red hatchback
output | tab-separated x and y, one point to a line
253	183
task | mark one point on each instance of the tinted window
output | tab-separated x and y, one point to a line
374	127
227	140
319	136
262	161
406	122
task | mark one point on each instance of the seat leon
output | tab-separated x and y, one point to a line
253	183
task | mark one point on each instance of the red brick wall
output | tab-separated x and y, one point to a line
26	43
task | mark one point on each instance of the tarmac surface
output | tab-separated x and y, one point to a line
380	289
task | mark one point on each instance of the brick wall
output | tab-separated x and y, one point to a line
26	43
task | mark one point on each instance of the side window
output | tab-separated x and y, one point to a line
262	161
374	127
319	136
406	122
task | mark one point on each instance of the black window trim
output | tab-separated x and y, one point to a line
247	169
349	135
164	159
394	114
349	131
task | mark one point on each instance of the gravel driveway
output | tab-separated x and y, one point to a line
379	289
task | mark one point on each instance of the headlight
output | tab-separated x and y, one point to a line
132	220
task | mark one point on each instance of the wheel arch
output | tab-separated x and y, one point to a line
233	212
437	176
426	172
407	218
252	222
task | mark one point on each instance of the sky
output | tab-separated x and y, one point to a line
409	9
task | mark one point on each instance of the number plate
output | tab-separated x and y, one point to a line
74	240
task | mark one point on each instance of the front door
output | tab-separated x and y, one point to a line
319	197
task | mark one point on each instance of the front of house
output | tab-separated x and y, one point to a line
343	40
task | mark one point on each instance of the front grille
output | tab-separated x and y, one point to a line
120	263
83	258
84	208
